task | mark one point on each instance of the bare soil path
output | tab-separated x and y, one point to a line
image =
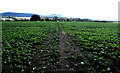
64	46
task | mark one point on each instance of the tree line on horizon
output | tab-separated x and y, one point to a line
37	18
55	18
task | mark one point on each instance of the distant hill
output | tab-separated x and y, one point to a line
53	15
5	14
14	14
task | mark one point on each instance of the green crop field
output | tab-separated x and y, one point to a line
60	47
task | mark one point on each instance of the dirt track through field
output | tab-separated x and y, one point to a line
64	45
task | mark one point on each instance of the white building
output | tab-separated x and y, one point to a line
7	19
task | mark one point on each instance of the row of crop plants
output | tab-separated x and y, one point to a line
100	41
26	44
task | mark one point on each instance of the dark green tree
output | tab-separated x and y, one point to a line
35	18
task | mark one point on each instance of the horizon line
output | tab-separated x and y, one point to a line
63	16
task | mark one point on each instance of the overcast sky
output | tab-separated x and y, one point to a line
92	9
